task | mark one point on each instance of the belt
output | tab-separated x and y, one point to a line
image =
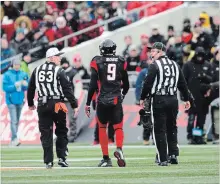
164	94
51	97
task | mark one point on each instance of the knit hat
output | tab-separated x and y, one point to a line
16	62
170	27
64	60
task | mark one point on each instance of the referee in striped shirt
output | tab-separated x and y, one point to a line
160	85
52	86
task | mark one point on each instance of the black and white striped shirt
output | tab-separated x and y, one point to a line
47	83
50	80
164	78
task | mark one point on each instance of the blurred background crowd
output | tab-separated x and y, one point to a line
26	25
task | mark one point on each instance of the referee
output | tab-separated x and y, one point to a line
161	84
52	86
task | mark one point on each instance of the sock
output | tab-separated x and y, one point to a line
103	138
119	134
105	157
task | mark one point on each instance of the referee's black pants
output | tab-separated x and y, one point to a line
47	115
165	109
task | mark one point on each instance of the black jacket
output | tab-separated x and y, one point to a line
198	78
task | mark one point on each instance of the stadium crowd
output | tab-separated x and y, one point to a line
27	25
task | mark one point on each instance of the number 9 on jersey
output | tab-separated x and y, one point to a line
111	74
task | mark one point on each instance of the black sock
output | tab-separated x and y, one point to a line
119	148
105	157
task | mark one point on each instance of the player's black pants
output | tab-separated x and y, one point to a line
47	116
165	109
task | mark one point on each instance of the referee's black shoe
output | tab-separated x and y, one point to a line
105	163
173	159
165	163
62	162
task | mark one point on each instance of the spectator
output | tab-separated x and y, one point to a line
100	14
10	11
187	35
70	72
84	22
202	39
46	28
215	22
64	30
133	59
6	51
40	39
26	58
116	10
34	9
156	36
205	22
50	7
187	25
144	47
175	49
171	32
77	63
25	23
72	5
20	43
128	42
15	82
71	17
197	73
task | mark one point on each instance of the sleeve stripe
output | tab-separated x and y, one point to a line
94	65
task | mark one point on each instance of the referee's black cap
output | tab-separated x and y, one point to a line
159	46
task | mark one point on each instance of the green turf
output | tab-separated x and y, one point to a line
199	165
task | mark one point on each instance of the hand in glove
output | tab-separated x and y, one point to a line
87	110
24	83
18	84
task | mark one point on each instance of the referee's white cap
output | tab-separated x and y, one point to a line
53	52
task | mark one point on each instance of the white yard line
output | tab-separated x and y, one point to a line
98	147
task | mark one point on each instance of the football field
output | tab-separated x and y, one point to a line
197	165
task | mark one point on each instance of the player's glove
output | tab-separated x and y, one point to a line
87	110
145	120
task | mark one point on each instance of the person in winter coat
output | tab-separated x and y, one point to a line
70	72
20	43
10	11
139	83
197	73
202	39
15	83
81	70
134	59
156	36
64	30
128	42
